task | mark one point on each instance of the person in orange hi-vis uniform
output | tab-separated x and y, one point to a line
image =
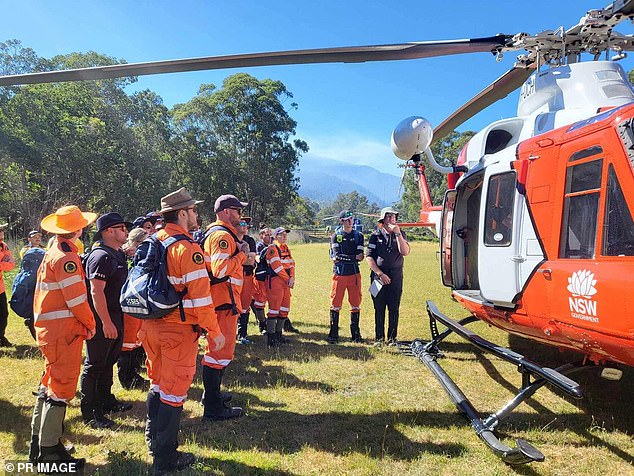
171	342
248	286
63	320
279	285
259	296
132	353
7	263
225	255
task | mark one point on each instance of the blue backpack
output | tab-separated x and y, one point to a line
147	292
23	288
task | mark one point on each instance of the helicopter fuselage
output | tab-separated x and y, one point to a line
537	238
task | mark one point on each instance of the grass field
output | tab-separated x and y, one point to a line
315	408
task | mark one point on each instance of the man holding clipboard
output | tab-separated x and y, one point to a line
386	248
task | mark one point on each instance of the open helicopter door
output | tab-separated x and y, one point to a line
499	237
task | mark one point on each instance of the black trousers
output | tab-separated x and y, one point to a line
97	373
4	313
390	297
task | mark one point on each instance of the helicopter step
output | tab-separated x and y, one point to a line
533	378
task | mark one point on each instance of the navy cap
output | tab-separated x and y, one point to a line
228	201
111	219
32	233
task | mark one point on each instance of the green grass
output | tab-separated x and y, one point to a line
314	408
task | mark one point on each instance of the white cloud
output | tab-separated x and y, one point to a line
352	148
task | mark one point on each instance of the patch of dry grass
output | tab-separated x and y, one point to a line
314	408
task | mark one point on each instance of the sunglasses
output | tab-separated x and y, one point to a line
120	227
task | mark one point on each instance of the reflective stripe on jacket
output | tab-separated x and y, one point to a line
186	269
60	289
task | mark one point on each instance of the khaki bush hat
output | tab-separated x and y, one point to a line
177	201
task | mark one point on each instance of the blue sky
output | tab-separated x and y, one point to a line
346	111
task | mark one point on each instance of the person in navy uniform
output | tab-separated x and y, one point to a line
386	248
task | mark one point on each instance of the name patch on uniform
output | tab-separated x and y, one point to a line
223	244
198	258
70	266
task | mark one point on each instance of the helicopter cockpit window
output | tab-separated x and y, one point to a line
581	208
589	152
498	221
618	227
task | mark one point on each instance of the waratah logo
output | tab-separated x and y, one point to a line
581	283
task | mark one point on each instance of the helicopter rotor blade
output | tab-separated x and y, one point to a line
354	54
498	89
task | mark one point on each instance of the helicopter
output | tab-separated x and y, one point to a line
536	231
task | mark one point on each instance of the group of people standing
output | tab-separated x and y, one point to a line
387	246
77	300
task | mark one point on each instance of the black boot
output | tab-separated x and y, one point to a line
152	403
166	458
271	335
355	332
333	335
259	315
279	325
215	407
92	410
243	321
288	326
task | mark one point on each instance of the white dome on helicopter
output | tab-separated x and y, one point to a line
411	136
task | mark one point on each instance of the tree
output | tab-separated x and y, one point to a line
238	139
354	202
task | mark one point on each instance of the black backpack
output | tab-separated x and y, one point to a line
263	269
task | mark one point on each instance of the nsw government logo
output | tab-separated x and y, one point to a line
581	286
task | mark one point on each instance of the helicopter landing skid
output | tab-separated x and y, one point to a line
533	378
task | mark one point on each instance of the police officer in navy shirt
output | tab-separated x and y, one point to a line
386	248
106	271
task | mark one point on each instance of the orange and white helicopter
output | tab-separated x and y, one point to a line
536	229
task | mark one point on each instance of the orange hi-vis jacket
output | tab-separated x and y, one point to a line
282	263
4	265
222	261
60	290
186	269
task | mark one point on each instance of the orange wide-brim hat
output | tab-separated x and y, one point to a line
67	220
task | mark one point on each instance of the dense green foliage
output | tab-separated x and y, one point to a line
92	144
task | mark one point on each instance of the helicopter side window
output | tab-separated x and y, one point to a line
581	208
498	221
618	228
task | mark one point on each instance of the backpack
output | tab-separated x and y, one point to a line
147	292
263	269
23	289
201	241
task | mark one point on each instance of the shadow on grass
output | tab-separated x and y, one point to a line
14	421
605	406
21	351
376	435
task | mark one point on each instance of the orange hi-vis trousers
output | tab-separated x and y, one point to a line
279	297
260	298
171	350
61	343
247	293
351	283
219	359
131	328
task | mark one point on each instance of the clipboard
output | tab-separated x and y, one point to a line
375	287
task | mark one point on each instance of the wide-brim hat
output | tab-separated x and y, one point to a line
178	200
280	229
68	219
385	211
